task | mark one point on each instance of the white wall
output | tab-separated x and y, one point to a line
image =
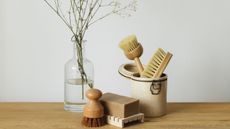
36	45
1	48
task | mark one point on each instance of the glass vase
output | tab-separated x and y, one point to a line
75	87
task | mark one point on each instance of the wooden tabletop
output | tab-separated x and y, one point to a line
53	116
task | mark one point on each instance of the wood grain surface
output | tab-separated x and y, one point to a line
53	116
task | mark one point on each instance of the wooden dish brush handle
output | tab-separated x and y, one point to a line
93	109
139	65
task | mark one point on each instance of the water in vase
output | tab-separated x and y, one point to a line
75	98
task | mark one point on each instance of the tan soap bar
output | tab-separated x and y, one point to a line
119	106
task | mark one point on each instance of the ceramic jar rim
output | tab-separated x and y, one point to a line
128	71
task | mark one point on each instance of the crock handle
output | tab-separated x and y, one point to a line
155	88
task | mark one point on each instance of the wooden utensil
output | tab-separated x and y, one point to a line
133	50
157	64
93	110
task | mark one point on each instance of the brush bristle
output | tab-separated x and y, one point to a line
154	63
129	43
93	122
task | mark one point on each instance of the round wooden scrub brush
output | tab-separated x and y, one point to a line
93	114
133	50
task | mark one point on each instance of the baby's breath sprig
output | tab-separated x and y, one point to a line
79	15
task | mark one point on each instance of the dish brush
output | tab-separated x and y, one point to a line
157	64
93	114
133	50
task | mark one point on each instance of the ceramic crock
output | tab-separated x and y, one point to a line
152	93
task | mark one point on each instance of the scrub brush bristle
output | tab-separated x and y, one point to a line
157	64
129	43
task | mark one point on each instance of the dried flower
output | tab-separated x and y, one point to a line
79	15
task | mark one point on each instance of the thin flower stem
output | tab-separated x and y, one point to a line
78	17
60	17
106	15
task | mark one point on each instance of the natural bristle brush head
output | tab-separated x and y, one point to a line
93	114
157	64
133	50
129	43
131	47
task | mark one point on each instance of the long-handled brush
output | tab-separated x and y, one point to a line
133	50
93	115
157	64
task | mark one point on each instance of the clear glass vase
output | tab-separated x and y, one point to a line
75	87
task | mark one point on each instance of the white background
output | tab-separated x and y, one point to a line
35	44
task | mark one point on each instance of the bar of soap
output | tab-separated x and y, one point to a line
119	106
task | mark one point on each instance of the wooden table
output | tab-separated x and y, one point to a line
53	116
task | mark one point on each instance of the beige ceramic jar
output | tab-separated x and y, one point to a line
152	93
